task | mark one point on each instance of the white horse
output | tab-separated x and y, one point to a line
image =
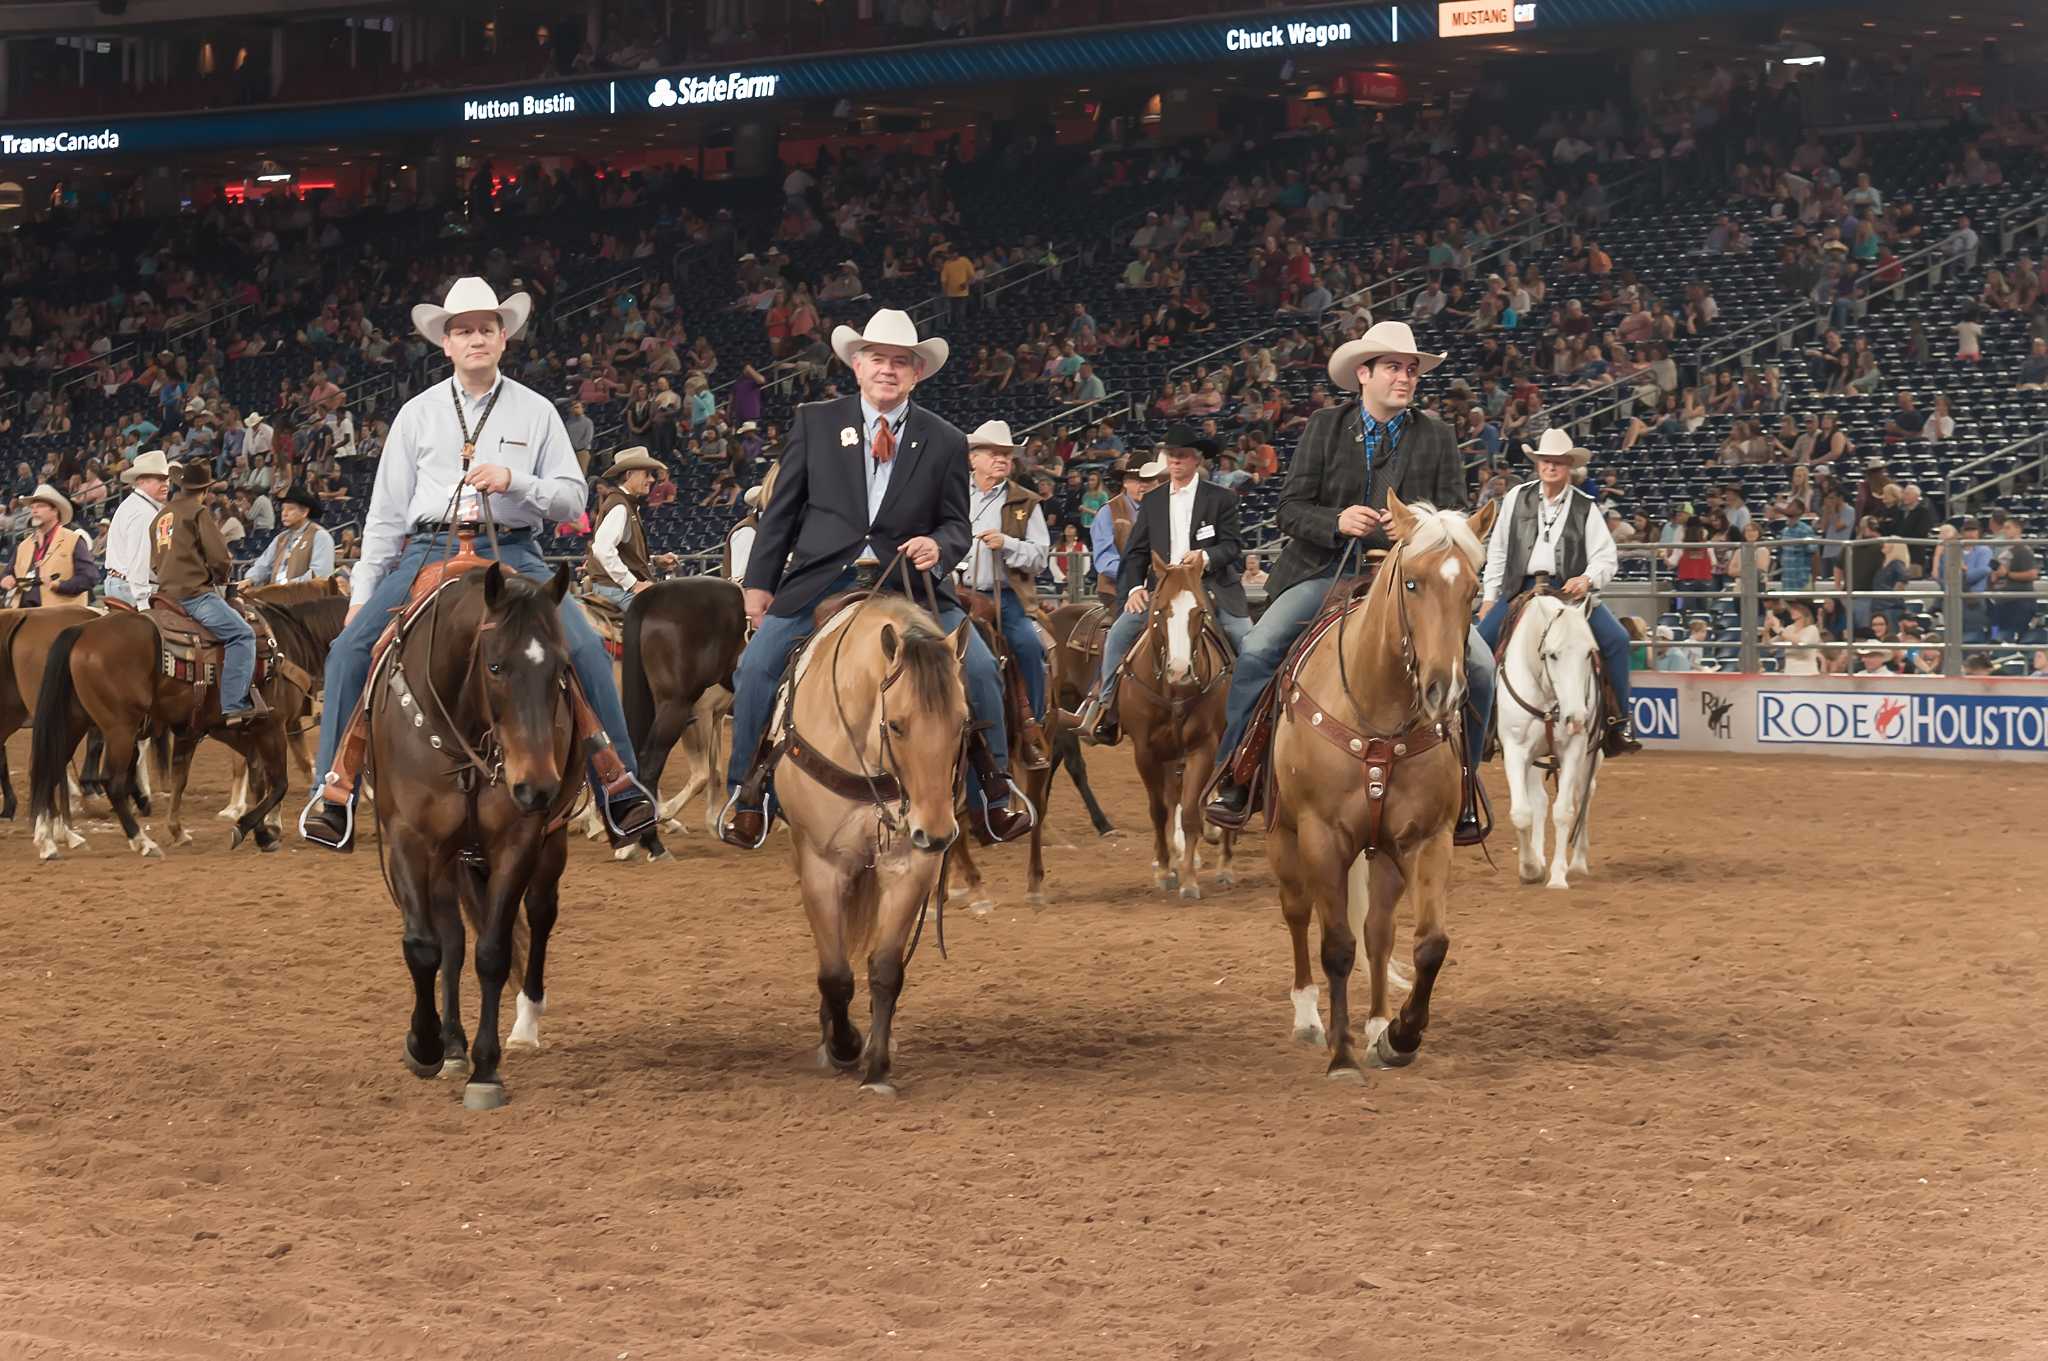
1547	706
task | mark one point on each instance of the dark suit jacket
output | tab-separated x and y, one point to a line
819	511
1327	474
1215	511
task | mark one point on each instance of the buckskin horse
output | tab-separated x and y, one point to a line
1365	778
1171	699
1549	706
476	763
872	731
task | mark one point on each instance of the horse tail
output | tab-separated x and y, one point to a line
49	793
637	695
469	885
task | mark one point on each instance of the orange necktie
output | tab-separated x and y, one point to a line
885	443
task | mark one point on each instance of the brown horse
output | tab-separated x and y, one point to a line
25	640
681	641
473	750
1366	778
105	673
298	723
1171	700
873	736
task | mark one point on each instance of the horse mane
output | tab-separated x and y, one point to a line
926	655
525	604
1435	529
305	631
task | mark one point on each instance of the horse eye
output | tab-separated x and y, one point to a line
497	668
895	728
1410	584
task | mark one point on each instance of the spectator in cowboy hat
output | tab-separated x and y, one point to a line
53	563
302	550
1137	472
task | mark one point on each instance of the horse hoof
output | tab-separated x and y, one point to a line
1035	899
230	814
235	842
674	828
1166	881
625	854
1344	1073
269	845
1311	1034
483	1096
666	854
417	1067
981	907
1225	879
1531	876
183	838
1106	833
1556	884
827	1060
1384	1055
75	841
887	1089
1192	892
453	1067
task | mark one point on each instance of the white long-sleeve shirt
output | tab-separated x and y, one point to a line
1602	559
128	547
742	541
604	546
422	463
1028	554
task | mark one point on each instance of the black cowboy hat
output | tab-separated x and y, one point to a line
298	495
1132	464
194	476
1184	436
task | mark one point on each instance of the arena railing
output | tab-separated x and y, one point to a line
2031	216
1951	498
1109	402
1778	331
988	287
594	295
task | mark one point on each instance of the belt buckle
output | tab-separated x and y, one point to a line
866	574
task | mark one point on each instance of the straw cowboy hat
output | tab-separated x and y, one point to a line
472	294
54	499
1386	337
891	327
1558	444
634	458
151	463
992	435
252	420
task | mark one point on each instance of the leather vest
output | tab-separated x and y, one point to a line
751	521
56	563
1122	515
632	546
1569	546
298	559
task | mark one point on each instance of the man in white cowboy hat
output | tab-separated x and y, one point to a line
1349	457
301	551
1137	473
477	435
129	577
259	439
1549	528
191	563
618	563
1011	547
863	479
53	564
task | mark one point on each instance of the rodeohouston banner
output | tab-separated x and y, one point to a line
2000	719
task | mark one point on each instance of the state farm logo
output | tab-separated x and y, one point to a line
664	96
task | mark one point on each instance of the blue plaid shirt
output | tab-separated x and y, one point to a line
1375	435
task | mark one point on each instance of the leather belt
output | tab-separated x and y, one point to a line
448	527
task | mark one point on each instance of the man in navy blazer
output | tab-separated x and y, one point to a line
862	478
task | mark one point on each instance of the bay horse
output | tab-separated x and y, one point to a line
473	750
1366	778
1549	706
873	731
105	673
25	640
298	723
1171	700
681	641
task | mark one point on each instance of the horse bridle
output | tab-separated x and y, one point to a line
1409	667
1154	641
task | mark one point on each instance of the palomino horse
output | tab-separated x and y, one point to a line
682	640
1366	778
872	734
106	673
476	680
1549	706
1171	702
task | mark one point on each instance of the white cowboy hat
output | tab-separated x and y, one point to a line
195	404
1386	337
752	496
151	463
636	457
1154	470
991	435
747	427
54	499
891	327
252	420
472	294
1558	444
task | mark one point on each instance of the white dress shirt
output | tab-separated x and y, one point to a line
1028	554
878	473
604	546
1180	516
742	543
1602	558
128	548
422	465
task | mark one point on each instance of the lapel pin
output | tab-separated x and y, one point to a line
848	437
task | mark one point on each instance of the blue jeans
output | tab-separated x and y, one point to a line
1130	626
1275	634
238	666
767	657
1022	636
348	662
119	589
1607	632
618	595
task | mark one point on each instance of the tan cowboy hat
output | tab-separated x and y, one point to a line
54	499
472	294
151	463
1154	470
752	496
628	460
991	435
1386	337
252	420
891	327
1558	444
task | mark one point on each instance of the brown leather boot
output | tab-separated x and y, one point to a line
330	819
1003	814
623	802
745	821
1033	751
1475	815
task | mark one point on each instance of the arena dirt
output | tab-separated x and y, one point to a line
1769	1084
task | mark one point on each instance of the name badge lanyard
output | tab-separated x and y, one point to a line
469	440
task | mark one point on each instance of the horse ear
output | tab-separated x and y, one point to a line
559	587
1399	517
962	637
1159	564
890	643
1482	520
494	585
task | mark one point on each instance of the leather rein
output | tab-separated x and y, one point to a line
1173	696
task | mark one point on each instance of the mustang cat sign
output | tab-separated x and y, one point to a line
1464	18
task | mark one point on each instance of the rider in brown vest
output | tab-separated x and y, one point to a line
1111	527
302	550
53	564
190	563
618	564
739	540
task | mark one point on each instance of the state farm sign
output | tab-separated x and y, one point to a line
1463	18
